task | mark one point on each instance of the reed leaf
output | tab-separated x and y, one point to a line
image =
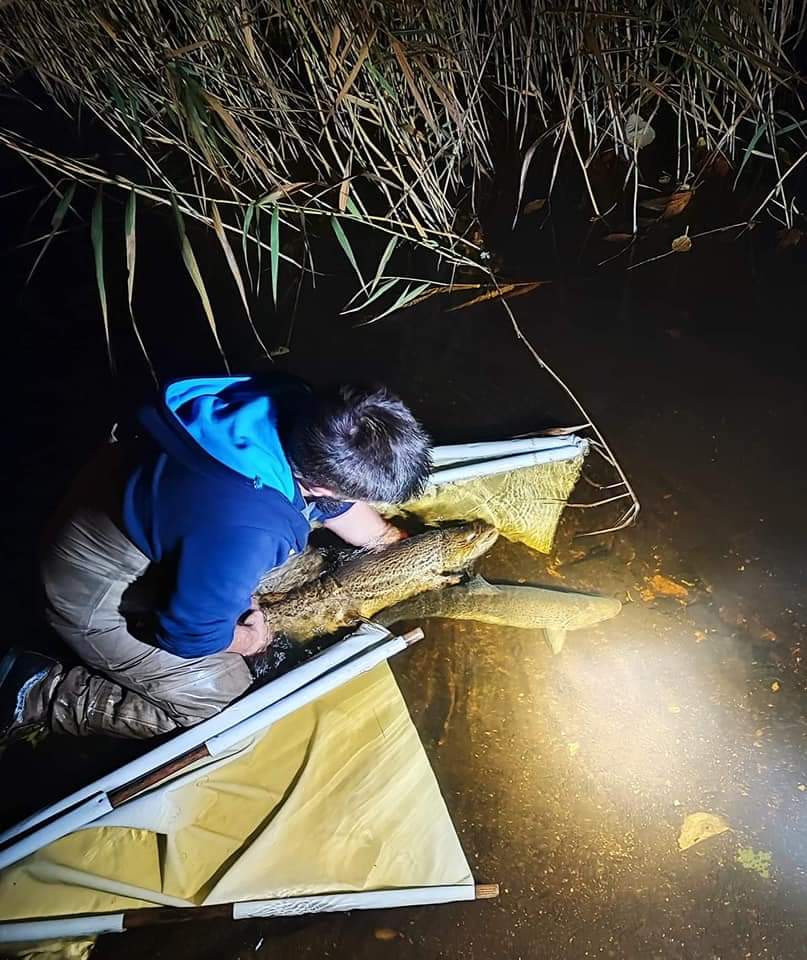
191	265
504	292
55	224
235	270
318	106
344	243
130	235
274	244
409	295
97	236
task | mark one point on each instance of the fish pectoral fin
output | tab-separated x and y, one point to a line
449	579
555	638
434	582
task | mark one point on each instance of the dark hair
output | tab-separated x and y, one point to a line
364	444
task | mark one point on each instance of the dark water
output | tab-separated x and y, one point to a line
567	778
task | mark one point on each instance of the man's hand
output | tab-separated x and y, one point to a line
250	636
391	534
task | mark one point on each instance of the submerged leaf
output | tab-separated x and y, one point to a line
788	238
669	206
655	203
533	206
678	202
758	861
700	826
719	167
618	237
661	586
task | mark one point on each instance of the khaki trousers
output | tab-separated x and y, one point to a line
128	687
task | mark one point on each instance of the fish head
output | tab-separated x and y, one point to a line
461	545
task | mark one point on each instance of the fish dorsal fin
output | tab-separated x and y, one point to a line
480	587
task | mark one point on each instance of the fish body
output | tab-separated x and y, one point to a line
357	588
552	611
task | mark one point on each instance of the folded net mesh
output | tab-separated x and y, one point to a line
523	504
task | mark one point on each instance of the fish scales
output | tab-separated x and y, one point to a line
553	611
367	582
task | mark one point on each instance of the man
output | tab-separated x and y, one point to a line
219	484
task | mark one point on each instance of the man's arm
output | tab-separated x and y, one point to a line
209	609
362	526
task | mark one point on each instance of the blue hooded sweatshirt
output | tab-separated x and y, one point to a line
210	497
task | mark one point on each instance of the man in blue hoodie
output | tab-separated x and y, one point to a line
220	483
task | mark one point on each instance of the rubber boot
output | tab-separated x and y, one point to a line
27	684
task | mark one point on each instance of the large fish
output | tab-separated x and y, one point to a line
308	598
552	611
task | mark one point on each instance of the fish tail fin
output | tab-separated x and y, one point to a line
555	637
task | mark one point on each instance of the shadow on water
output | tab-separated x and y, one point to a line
568	778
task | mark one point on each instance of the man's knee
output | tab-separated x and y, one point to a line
198	689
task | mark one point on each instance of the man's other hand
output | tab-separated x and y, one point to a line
250	636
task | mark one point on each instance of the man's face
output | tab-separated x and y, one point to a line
322	493
315	491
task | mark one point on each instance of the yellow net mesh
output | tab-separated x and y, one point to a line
524	504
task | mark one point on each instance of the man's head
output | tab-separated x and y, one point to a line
359	444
